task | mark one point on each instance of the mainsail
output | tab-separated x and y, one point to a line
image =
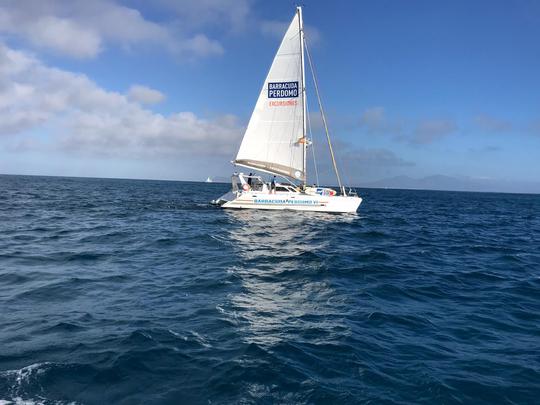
275	137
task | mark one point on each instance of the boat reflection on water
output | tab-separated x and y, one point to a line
286	291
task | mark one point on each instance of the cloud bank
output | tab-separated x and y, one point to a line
83	29
145	95
80	116
424	131
488	123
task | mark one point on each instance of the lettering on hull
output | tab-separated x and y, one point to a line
285	202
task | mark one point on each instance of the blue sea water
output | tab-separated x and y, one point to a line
125	291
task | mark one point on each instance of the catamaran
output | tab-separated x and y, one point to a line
276	141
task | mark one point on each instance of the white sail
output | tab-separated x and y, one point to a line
274	140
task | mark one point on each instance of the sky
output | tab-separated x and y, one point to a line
164	89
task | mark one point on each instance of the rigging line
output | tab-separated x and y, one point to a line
289	180
342	188
312	146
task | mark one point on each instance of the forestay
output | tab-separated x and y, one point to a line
274	139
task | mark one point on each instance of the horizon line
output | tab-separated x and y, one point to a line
222	182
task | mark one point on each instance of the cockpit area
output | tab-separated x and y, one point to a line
244	183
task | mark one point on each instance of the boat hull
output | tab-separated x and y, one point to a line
289	201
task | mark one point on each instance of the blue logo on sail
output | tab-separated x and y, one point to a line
283	90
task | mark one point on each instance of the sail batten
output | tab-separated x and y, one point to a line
271	141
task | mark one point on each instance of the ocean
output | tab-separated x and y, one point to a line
134	291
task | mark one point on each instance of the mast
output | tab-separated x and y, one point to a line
304	130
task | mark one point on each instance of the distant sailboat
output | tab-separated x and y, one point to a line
276	142
209	180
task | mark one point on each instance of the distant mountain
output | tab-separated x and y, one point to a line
440	182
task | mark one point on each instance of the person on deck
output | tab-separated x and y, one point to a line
273	186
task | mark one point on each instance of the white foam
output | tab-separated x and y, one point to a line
19	379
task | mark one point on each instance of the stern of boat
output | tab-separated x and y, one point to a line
225	198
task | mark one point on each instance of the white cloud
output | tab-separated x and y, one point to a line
274	28
145	95
489	123
357	164
427	131
199	45
63	36
82	29
534	127
375	120
80	116
230	13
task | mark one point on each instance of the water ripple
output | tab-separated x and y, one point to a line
123	291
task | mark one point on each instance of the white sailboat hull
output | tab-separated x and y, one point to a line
289	201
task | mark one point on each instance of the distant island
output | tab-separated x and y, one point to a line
449	183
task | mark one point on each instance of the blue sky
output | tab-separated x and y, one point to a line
164	89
